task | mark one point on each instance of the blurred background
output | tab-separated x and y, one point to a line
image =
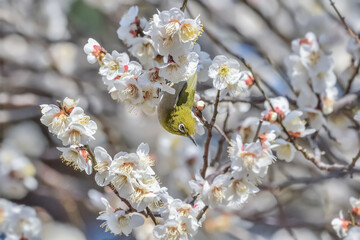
42	60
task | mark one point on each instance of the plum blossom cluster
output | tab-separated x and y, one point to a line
17	173
130	175
292	120
119	221
74	128
179	220
18	222
311	73
348	227
165	49
280	111
249	164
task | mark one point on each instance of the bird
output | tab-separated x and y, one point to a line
174	110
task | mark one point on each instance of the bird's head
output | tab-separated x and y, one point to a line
181	122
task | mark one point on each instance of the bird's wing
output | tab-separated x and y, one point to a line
169	101
187	92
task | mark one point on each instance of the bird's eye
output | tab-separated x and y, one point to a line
181	128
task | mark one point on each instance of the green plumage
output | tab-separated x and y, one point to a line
175	109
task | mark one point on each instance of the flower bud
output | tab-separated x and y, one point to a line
200	105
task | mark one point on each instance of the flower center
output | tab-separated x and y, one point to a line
223	70
217	192
173	232
172	27
188	32
113	65
127	167
123	221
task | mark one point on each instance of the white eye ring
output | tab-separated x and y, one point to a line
181	128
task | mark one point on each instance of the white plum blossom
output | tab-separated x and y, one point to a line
18	221
323	80
113	64
281	106
328	98
239	191
315	117
355	205
56	119
17	173
181	69
172	33
68	122
340	225
77	115
103	162
94	51
311	72
253	157
132	176
127	89
146	192
119	221
291	120
284	150
143	49
295	126
152	77
122	168
180	220
224	71
131	26
78	157
212	194
76	133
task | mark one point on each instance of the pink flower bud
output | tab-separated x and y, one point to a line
200	105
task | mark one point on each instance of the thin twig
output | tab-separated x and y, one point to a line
201	213
151	216
348	88
258	130
342	19
131	209
251	100
209	136
330	135
354	160
183	5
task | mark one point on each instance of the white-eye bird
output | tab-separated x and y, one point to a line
174	110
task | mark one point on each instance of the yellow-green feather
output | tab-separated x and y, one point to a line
186	95
175	109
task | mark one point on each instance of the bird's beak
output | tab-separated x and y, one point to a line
192	138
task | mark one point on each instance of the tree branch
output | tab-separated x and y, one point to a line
209	136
